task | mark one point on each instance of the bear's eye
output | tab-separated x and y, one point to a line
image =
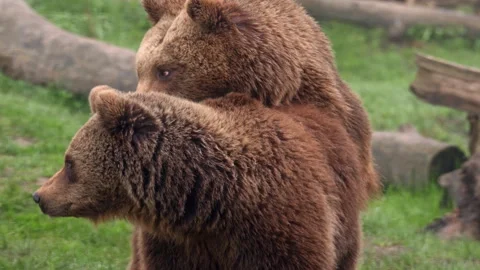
164	74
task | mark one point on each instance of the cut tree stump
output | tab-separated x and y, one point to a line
410	160
439	82
34	50
448	84
443	83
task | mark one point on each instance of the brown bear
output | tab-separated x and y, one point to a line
227	183
270	49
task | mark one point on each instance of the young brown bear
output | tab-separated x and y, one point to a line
222	184
270	49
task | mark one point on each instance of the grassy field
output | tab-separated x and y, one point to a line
37	123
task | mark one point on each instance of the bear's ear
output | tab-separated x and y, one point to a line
153	9
123	117
157	8
92	97
216	15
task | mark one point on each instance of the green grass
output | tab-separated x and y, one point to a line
37	123
394	238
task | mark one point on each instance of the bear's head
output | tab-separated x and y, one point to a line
202	49
102	161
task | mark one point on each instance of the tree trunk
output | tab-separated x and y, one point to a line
474	143
396	18
35	50
410	160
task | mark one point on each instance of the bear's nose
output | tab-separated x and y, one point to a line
36	197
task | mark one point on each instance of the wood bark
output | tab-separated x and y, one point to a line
448	84
33	49
410	160
474	134
443	83
396	18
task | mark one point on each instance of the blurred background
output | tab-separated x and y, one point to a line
423	107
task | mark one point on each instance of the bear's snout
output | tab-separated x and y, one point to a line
36	197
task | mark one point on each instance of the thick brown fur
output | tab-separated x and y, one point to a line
270	49
223	184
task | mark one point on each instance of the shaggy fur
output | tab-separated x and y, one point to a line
223	184
269	49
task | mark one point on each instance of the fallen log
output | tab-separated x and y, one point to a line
435	3
407	159
33	49
396	18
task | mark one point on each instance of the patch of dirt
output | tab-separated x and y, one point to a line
389	250
23	142
7	172
384	250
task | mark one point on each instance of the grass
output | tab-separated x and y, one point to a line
37	123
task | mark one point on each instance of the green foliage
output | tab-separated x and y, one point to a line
428	33
37	123
120	22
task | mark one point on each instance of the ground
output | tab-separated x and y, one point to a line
37	124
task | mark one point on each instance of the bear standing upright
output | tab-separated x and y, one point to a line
272	51
223	184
